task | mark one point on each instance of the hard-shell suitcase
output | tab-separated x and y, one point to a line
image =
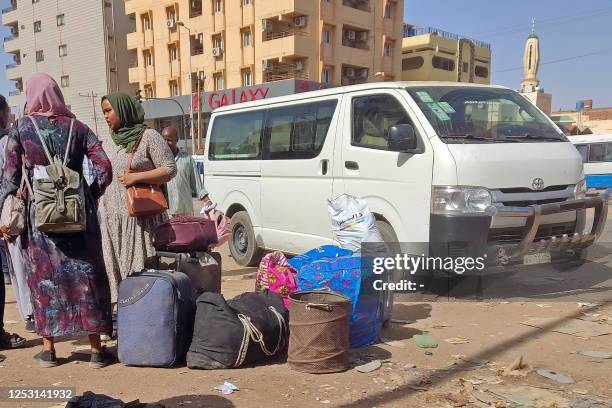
155	317
203	268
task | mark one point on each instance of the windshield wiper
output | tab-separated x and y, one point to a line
470	136
532	137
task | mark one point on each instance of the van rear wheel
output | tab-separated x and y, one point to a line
388	235
242	244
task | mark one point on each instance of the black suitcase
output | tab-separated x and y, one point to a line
203	268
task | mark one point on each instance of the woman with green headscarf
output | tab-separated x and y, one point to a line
126	241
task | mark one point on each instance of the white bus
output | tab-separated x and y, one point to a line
596	152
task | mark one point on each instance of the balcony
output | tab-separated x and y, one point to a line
360	44
363	5
354	75
10	44
277	71
274	35
413	31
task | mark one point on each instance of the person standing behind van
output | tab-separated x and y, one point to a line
126	241
187	183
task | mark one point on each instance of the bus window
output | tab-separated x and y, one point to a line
597	152
609	153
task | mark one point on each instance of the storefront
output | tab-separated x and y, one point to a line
160	113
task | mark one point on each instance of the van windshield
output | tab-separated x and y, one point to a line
483	115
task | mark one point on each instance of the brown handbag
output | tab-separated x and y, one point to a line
144	199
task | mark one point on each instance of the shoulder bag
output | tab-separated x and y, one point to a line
144	199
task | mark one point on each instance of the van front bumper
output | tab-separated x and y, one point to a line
467	235
580	239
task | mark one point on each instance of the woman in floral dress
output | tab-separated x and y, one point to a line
65	272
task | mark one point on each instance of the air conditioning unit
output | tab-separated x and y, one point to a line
265	65
170	23
363	36
349	72
300	21
217	51
350	34
363	73
299	66
266	25
201	38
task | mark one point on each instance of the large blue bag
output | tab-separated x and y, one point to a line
345	275
322	252
155	318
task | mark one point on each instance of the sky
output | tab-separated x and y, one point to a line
575	41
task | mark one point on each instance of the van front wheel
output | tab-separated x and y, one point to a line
243	245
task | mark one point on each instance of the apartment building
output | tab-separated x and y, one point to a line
430	54
177	47
81	44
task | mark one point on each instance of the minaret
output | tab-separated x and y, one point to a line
531	61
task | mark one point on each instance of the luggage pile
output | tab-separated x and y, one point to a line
176	313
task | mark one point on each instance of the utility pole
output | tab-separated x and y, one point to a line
93	97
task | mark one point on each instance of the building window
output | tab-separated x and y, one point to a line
218	6
63	50
466	67
389	10
174	88
35	1
219	84
146	22
65	81
37	26
171	16
218	42
148	57
40	56
412	63
326	75
173	51
60	20
387	48
482	72
443	63
246	38
247	2
327	35
247	78
149	91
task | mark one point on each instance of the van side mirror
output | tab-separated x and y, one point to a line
402	138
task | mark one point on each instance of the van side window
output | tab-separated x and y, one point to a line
597	152
298	131
236	136
584	151
372	116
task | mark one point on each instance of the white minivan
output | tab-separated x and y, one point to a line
467	167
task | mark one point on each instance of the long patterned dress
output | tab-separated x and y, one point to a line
126	240
65	272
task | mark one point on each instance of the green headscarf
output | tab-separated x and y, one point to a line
131	114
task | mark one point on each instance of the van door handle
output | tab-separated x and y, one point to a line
351	165
324	164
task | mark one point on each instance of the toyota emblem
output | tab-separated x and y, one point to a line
537	184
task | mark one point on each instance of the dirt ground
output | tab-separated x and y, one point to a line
488	328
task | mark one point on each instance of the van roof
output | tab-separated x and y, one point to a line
350	88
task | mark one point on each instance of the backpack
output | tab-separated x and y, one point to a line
59	196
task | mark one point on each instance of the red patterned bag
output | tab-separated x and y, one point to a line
276	275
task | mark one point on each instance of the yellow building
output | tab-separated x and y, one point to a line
429	54
235	43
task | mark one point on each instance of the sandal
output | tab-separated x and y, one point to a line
11	341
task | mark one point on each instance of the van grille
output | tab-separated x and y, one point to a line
514	235
532	202
528	190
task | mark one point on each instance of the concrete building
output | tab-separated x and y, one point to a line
530	85
585	119
429	54
81	44
176	47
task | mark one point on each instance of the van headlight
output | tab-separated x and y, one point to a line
580	189
460	200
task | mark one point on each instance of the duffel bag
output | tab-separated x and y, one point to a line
250	328
185	234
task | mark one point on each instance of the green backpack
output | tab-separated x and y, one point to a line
58	195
